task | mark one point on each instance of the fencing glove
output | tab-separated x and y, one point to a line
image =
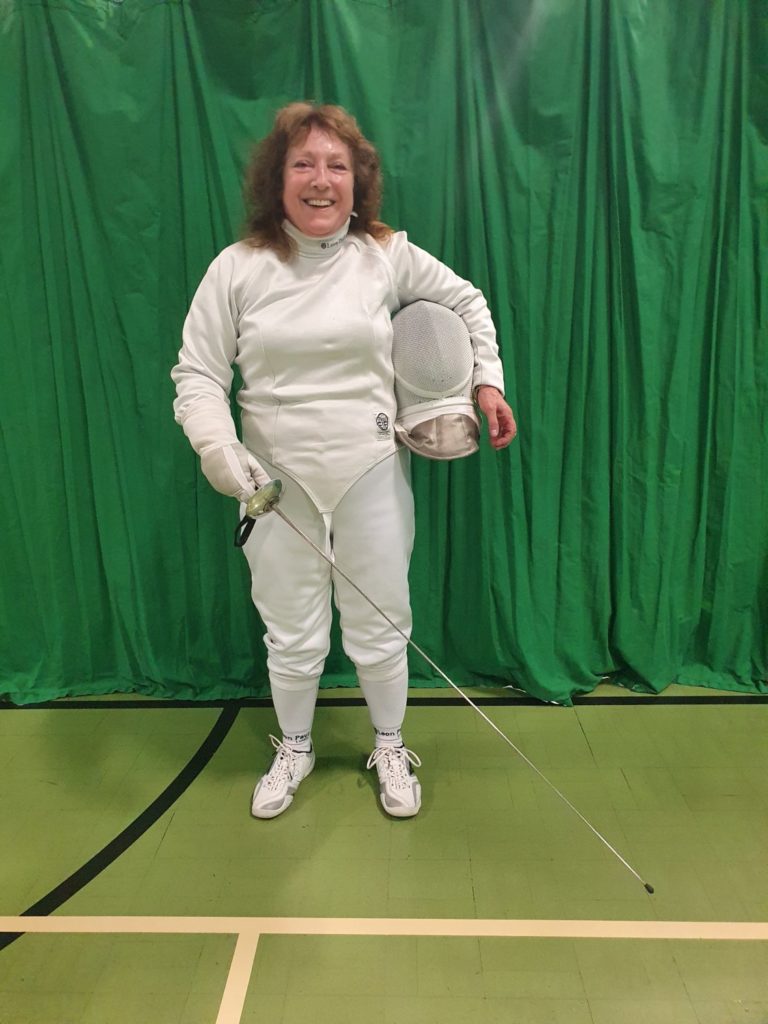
232	470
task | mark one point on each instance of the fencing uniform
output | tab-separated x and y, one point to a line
312	339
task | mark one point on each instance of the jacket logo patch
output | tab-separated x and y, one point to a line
382	422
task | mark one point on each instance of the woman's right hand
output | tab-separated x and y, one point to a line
232	470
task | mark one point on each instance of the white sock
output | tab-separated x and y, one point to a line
298	741
385	690
294	702
388	738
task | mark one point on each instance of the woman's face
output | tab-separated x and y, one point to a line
318	183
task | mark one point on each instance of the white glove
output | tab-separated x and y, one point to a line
233	471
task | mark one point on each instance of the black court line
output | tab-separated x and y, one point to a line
632	700
85	874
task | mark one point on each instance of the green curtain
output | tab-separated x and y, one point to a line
598	167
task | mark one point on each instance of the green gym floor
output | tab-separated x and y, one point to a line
152	897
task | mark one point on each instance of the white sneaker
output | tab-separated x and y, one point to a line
399	789
274	791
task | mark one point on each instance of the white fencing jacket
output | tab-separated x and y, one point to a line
312	339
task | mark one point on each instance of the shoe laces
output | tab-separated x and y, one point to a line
284	764
394	762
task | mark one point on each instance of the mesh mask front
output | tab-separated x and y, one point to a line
433	362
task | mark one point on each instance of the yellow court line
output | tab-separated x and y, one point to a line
253	927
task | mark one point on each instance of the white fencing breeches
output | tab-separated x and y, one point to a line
370	534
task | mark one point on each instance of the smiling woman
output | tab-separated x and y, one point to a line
307	139
303	305
318	184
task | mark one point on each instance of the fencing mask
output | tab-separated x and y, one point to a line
433	359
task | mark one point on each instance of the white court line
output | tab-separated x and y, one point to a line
238	979
253	927
249	930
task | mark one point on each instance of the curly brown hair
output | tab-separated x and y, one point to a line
263	186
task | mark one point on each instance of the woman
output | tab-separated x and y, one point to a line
303	306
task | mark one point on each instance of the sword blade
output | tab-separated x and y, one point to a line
337	569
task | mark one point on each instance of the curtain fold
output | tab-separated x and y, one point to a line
599	168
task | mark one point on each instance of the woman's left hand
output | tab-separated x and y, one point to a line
501	420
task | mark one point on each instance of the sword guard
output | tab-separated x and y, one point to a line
263	501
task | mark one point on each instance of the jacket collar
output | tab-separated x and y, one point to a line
316	248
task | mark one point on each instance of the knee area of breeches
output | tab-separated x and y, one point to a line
392	668
294	684
296	661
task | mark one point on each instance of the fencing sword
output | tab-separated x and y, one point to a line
266	499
